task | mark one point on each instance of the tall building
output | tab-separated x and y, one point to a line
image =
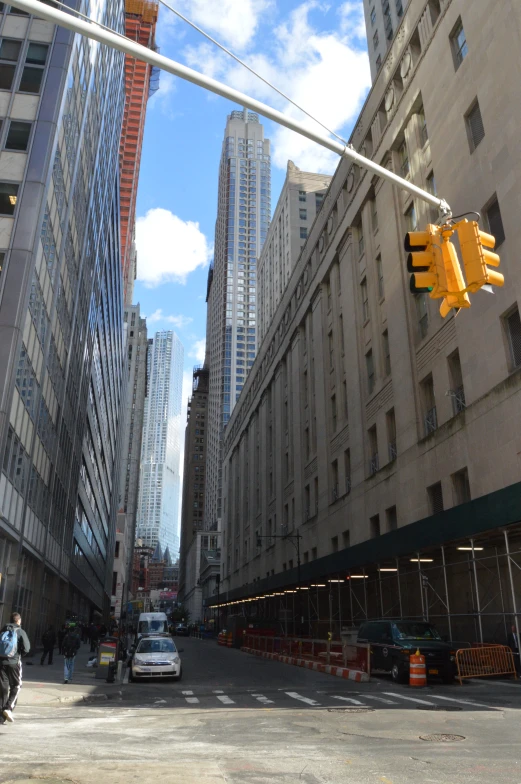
382	434
136	343
140	26
382	19
243	215
196	433
61	351
158	506
299	201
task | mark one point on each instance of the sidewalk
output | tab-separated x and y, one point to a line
43	684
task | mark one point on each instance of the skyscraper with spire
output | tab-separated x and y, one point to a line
243	215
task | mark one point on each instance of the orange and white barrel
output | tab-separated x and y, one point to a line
417	671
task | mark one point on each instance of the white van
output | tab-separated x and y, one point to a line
152	623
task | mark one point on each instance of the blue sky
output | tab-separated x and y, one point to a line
313	51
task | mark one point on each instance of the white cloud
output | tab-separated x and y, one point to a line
168	248
324	71
178	321
233	22
198	350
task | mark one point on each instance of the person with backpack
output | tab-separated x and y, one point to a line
14	643
70	647
48	642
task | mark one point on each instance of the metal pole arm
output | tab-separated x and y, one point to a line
123	44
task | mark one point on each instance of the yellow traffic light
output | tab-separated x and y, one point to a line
424	261
476	256
455	295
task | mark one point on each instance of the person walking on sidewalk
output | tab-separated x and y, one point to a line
48	642
14	643
71	645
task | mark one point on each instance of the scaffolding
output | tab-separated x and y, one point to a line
468	588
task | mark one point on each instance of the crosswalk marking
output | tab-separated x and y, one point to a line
263	699
410	699
381	699
190	698
464	702
294	695
224	699
347	699
218	691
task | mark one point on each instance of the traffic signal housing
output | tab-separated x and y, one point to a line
476	252
423	254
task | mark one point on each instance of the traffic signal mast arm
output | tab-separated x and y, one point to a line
121	43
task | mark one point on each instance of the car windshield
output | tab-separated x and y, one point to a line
156	646
413	630
152	626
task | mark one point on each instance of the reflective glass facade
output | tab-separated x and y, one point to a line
61	352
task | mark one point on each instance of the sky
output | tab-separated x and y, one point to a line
313	51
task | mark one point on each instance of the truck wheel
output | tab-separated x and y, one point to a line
398	673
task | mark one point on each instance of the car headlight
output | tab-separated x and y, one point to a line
452	658
176	659
138	660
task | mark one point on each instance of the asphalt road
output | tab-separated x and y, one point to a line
246	720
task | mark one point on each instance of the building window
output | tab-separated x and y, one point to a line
333	413
458	43
399	8
361	244
435	494
369	363
9	54
431	184
404	160
374	463
18	136
422	311
315	489
391	434
387	353
8	197
475	129
513	330
374	526
346	539
430	418
302	196
461	487
334	475
422	124
380	274
378	62
411	219
495	222
331	350
365	300
32	74
374	215
373	15
303	232
375	39
334	544
391	518
457	393
307	502
303	214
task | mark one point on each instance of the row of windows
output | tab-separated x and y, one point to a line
31	76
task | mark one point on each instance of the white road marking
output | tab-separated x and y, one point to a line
294	695
218	691
190	698
263	699
187	693
348	699
410	699
381	699
464	702
226	700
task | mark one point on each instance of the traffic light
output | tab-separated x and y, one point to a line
455	295
475	245
423	255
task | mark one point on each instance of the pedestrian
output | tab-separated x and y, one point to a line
93	636
61	634
14	643
48	642
71	646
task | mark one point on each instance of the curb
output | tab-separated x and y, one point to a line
329	669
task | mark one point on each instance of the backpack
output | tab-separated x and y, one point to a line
69	646
8	643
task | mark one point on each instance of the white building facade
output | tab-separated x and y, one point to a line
243	215
158	509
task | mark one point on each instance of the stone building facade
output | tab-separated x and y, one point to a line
369	425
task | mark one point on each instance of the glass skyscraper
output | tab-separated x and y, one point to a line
243	216
159	492
61	351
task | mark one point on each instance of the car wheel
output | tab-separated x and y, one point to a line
397	673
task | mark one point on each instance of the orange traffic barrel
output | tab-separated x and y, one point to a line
229	642
417	671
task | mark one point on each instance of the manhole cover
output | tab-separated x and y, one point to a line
442	738
439	707
350	710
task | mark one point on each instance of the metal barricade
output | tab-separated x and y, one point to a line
485	661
